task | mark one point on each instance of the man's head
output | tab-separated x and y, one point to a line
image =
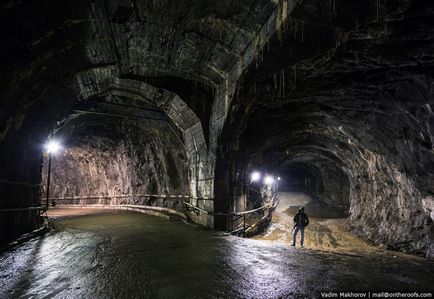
301	210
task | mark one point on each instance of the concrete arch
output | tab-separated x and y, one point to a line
201	188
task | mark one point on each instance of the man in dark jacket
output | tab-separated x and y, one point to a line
300	222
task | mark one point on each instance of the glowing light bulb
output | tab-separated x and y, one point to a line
268	180
52	147
255	176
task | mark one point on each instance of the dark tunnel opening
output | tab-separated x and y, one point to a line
327	190
299	179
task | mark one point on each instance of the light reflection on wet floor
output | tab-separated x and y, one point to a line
129	255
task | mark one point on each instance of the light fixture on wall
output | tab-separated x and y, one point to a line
53	146
255	176
268	180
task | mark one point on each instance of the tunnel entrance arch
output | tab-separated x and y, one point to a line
115	93
117	159
141	100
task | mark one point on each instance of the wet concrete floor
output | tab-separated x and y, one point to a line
130	255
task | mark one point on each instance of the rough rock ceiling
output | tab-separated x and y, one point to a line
369	90
45	44
157	37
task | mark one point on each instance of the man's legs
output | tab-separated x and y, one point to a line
294	234
302	236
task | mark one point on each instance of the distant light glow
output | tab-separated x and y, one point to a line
268	180
255	176
53	146
278	178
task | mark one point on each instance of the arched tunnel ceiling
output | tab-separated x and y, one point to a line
49	48
158	37
355	94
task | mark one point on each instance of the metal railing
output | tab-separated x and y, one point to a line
23	209
245	228
106	199
130	195
72	199
42	219
234	216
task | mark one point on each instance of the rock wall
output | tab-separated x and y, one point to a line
120	161
387	207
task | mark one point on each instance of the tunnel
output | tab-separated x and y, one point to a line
168	146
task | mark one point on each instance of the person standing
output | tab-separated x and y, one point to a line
300	222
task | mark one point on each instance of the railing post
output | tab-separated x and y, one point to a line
228	228
244	223
48	178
